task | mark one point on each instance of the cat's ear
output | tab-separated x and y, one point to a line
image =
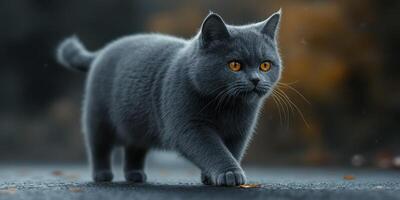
270	27
213	29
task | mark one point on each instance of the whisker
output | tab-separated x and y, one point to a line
283	96
283	111
278	106
294	105
223	99
215	98
295	90
287	108
291	83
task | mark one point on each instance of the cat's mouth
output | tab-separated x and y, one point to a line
252	92
258	91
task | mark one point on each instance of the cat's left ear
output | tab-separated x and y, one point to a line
270	27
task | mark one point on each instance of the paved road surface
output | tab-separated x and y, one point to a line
173	182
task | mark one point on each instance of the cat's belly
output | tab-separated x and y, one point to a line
135	120
138	132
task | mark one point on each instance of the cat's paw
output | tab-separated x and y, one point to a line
229	178
136	176
103	176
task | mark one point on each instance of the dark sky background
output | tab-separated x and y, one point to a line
341	55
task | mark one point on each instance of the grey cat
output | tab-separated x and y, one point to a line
199	97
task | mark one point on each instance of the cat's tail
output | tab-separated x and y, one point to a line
73	55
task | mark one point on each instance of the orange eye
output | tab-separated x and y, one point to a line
235	66
265	66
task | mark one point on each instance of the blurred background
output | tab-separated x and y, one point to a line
341	55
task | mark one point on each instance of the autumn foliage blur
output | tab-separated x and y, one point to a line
340	55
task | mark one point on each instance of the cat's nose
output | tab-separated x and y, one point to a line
255	80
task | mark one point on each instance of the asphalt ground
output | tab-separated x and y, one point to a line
183	182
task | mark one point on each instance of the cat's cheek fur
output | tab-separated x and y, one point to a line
147	91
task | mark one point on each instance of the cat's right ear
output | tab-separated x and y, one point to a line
213	29
271	26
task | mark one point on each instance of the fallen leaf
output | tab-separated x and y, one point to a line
349	177
250	186
75	189
12	190
57	173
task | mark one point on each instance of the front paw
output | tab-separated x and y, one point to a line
231	177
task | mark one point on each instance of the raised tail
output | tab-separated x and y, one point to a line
73	55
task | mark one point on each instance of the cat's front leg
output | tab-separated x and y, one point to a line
237	146
205	149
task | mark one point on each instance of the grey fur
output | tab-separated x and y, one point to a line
158	91
73	55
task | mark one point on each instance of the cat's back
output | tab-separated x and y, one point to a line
147	45
135	59
139	60
141	52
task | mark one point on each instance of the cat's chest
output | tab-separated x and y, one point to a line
236	122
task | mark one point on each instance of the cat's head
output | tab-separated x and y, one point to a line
238	61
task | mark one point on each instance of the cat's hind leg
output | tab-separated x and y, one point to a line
100	144
134	164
